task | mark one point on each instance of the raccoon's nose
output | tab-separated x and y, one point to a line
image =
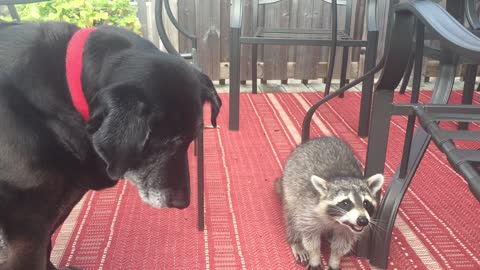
362	221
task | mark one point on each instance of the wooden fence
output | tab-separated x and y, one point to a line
209	20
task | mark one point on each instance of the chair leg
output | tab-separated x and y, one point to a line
387	212
376	152
468	89
254	67
406	75
331	64
200	183
367	86
343	73
380	239
333	50
418	61
234	112
415	62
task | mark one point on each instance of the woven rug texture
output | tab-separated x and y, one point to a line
437	227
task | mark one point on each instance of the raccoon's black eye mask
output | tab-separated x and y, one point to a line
340	208
346	205
369	207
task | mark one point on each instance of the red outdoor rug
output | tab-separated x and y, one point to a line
438	226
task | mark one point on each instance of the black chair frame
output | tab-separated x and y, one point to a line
331	38
458	44
459	10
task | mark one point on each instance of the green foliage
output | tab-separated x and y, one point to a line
84	13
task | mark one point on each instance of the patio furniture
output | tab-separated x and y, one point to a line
458	45
159	6
459	10
11	6
307	37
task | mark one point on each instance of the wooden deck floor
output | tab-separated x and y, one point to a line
312	86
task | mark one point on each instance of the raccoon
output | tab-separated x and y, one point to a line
324	193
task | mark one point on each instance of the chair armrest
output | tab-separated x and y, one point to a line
236	14
372	25
449	31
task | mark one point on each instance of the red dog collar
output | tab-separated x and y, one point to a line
74	63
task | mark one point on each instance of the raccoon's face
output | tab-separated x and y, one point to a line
350	202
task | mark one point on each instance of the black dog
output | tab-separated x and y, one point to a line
145	110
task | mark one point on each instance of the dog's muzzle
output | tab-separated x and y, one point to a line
166	198
172	189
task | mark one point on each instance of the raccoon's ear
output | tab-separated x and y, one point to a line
375	182
319	184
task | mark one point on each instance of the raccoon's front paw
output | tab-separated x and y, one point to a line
301	255
316	267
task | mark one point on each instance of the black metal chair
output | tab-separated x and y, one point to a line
274	36
460	10
11	6
458	45
159	7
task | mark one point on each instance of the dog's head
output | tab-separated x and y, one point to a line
142	130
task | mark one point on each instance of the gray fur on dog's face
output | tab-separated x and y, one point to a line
153	178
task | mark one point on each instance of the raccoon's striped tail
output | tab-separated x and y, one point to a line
278	186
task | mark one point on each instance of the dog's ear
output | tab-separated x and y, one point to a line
208	93
119	127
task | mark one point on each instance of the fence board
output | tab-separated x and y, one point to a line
341	17
292	50
307	57
208	33
245	50
187	19
210	21
141	14
357	26
169	27
275	57
151	26
224	30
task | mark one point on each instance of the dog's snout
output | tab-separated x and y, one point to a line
362	221
180	204
180	198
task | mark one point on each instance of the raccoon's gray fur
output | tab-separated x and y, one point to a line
324	193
